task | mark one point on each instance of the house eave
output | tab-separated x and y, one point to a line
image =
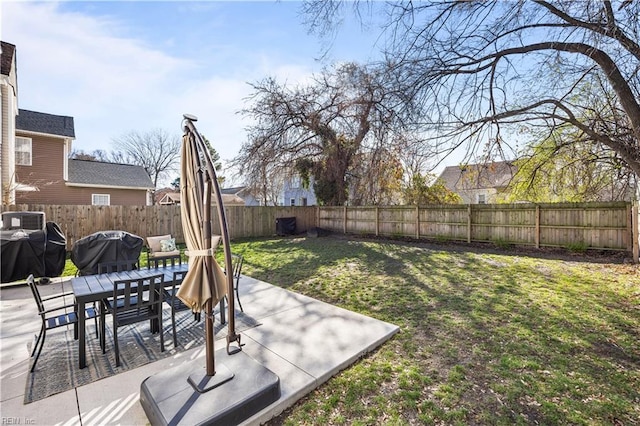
95	185
49	135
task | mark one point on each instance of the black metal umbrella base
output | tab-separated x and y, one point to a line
170	398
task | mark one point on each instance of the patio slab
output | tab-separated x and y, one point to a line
300	339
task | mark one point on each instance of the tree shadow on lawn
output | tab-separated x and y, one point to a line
523	329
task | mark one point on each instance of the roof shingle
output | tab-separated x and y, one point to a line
8	52
478	176
31	121
111	174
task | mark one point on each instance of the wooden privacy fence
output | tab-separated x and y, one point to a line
606	226
78	221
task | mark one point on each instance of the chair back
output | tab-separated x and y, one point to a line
237	261
165	261
130	294
178	277
36	294
117	266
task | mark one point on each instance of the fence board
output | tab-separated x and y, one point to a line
608	226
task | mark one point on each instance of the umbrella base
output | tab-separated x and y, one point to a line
168	398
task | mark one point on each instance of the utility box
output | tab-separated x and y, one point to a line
32	221
286	226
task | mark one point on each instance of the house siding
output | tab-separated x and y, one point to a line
46	174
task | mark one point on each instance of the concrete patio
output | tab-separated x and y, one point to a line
302	340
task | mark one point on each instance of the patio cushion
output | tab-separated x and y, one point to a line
168	245
154	242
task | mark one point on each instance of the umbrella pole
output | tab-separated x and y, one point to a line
208	327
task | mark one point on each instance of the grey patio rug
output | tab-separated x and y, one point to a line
57	369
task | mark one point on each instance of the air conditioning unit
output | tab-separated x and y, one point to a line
23	220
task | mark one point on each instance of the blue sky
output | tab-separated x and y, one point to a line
119	66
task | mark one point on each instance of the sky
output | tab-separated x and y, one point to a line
121	66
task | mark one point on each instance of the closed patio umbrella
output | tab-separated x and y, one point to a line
205	283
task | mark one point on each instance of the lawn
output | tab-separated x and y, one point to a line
485	338
497	338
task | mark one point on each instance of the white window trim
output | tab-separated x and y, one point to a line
30	141
93	199
292	202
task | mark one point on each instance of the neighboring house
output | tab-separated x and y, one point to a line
170	198
479	183
35	164
244	193
294	194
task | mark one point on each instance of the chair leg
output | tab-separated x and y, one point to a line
160	326
173	324
35	346
44	334
115	342
103	328
238	297
96	319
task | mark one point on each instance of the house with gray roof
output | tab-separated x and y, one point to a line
35	164
479	183
46	175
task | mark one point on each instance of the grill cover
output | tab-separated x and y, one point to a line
22	254
105	246
55	252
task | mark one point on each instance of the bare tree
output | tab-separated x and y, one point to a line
327	124
483	70
156	151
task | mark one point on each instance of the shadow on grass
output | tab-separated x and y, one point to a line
505	339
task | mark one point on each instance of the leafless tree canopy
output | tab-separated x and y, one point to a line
483	70
345	112
156	150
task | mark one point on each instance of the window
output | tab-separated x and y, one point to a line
23	151
296	182
292	202
100	199
304	201
482	199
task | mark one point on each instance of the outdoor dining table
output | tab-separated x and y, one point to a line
88	289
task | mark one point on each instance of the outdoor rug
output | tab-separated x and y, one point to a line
57	369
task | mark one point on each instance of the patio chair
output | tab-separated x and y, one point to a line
176	304
135	300
161	246
165	261
54	317
117	266
236	263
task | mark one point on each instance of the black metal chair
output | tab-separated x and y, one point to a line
54	317
163	262
176	304
236	264
134	300
117	266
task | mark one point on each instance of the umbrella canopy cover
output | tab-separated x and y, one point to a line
196	290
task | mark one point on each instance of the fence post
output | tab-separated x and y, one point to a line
377	221
417	222
345	219
469	223
634	231
537	235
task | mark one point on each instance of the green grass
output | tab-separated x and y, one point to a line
485	338
496	339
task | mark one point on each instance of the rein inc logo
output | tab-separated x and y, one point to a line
17	421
